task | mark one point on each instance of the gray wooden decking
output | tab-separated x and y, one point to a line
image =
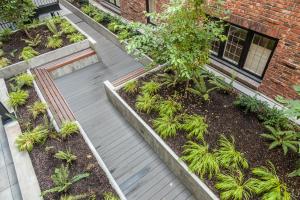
135	166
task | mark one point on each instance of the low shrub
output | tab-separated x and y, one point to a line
195	126
17	98
131	87
75	37
28	53
146	103
275	118
150	87
249	104
68	128
54	42
168	107
66	27
37	108
166	126
99	17
22	80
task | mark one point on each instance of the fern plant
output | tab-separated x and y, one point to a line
28	53
75	37
268	185
23	79
17	98
110	196
66	27
200	159
99	17
228	157
195	126
4	62
62	180
131	87
35	41
249	104
166	126
68	128
220	84
37	108
150	87
52	27
67	156
286	139
168	107
168	80
146	103
54	42
28	139
234	186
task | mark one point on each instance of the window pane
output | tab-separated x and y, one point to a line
259	53
235	44
114	2
215	47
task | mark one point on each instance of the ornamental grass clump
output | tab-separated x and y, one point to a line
18	98
166	126
68	128
28	53
22	80
131	87
146	102
168	107
37	109
75	37
150	87
195	125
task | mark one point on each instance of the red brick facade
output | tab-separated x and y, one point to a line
276	18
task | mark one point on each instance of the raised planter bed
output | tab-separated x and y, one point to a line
15	43
101	28
222	117
99	181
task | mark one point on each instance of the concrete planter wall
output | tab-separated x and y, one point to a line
42	59
145	60
179	168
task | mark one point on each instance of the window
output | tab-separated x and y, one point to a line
151	8
114	2
245	50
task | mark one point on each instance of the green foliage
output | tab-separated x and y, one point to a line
74	197
99	17
17	11
268	185
286	139
35	41
66	27
17	98
28	139
110	196
146	102
75	37
114	26
195	126
200	88
89	10
200	160
220	84
275	118
54	42
228	157
67	155
124	34
37	108
150	87
249	104
68	128
4	62
52	27
5	34
166	126
168	107
23	79
1	52
62	180
168	80
234	187
28	53
131	87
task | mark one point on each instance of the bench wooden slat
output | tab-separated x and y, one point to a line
129	76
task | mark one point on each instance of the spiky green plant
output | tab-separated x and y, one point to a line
123	35
52	27
62	180
166	126
28	53
75	37
89	10
110	196
286	139
131	87
37	108
168	107
234	186
23	79
150	87
146	102
54	42
67	156
99	17
27	140
268	185
227	155
195	126
249	104
114	26
200	159
17	98
68	128
4	62
66	27
275	118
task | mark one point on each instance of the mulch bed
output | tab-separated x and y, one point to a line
15	43
223	117
44	163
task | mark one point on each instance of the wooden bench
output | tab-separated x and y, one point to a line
56	102
129	76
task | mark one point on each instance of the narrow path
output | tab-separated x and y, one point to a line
135	166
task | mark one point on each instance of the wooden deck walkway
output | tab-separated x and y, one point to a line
135	166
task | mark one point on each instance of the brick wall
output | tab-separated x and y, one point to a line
276	18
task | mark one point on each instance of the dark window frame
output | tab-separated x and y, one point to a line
148	10
240	66
113	4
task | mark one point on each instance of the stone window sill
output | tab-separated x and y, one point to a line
111	7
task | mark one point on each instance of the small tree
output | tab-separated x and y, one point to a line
182	37
18	12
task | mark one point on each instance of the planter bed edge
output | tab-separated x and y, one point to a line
177	166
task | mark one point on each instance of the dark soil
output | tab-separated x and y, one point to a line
44	163
223	117
14	45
